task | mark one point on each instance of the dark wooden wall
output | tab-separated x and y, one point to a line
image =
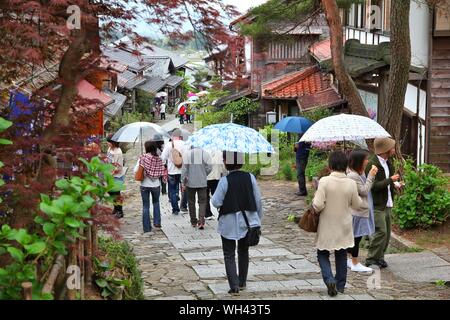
439	107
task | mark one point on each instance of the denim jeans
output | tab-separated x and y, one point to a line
173	185
301	170
229	252
145	194
341	267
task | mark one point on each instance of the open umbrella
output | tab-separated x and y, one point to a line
161	94
294	124
344	127
138	131
193	99
230	137
184	133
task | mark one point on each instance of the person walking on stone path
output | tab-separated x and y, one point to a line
163	110
196	168
335	197
182	113
218	170
159	140
382	193
236	194
174	151
363	219
301	155
151	185
114	156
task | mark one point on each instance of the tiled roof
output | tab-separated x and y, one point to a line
88	91
123	57
327	98
119	100
296	84
129	80
151	50
321	50
174	81
153	85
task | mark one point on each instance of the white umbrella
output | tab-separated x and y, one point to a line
344	127
161	94
185	103
230	137
139	131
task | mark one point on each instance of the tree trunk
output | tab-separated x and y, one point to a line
346	83
391	117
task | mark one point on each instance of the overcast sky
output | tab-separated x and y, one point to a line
242	5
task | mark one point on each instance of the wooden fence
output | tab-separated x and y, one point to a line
64	282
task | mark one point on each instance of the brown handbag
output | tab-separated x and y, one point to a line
139	176
310	220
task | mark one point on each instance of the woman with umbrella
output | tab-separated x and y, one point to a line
115	157
239	202
237	195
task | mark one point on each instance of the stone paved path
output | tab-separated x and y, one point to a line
181	262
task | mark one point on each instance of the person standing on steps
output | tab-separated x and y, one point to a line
363	219
115	157
236	194
163	110
196	167
182	113
217	172
334	199
151	185
301	157
172	155
383	194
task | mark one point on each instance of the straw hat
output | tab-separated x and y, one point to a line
383	145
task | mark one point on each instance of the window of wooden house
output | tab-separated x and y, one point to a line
387	16
288	49
442	21
378	15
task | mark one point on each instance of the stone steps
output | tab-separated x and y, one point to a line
214	271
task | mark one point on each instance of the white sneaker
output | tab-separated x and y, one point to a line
209	218
349	263
360	268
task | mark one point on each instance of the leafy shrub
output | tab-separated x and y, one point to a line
317	162
317	114
425	200
60	224
241	108
128	117
117	273
212	117
287	172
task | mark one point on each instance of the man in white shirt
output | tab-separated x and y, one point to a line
217	172
162	110
382	193
174	172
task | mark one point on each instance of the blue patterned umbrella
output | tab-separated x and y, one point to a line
294	124
230	137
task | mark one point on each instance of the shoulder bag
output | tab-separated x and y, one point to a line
309	220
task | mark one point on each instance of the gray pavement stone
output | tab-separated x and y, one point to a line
420	267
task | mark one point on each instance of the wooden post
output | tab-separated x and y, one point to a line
89	254
71	293
55	271
81	264
94	240
27	288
